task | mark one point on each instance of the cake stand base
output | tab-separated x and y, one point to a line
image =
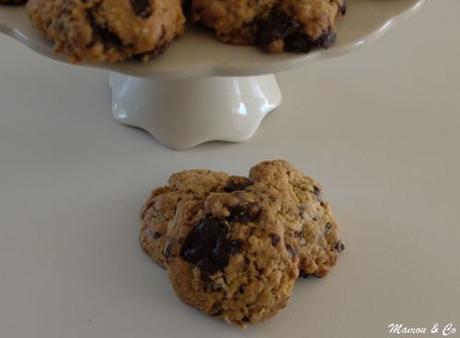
182	113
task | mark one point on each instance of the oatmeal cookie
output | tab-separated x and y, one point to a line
108	30
163	202
311	228
160	208
228	257
275	25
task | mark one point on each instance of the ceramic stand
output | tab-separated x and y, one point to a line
182	113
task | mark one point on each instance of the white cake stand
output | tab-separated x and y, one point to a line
202	90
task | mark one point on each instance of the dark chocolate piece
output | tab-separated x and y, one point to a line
208	247
142	8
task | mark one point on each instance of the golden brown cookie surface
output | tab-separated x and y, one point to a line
108	30
311	228
233	246
229	258
161	206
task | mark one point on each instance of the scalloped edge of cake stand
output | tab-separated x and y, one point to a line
183	113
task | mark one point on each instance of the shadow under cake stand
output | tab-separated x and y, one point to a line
201	90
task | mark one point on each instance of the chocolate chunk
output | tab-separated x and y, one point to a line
103	33
156	235
142	8
275	239
260	270
327	228
187	7
316	190
236	183
13	2
301	210
167	252
216	309
146	56
243	213
207	246
326	40
245	319
281	27
216	313
291	250
343	7
277	26
339	246
302	43
299	43
304	275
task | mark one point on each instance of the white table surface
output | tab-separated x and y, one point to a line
378	128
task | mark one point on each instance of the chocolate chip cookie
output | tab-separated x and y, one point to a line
228	257
161	206
108	30
276	25
233	245
311	228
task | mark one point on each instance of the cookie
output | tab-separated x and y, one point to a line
234	246
311	229
160	208
275	25
108	30
227	257
163	202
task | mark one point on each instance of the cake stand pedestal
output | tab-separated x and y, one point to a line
181	113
